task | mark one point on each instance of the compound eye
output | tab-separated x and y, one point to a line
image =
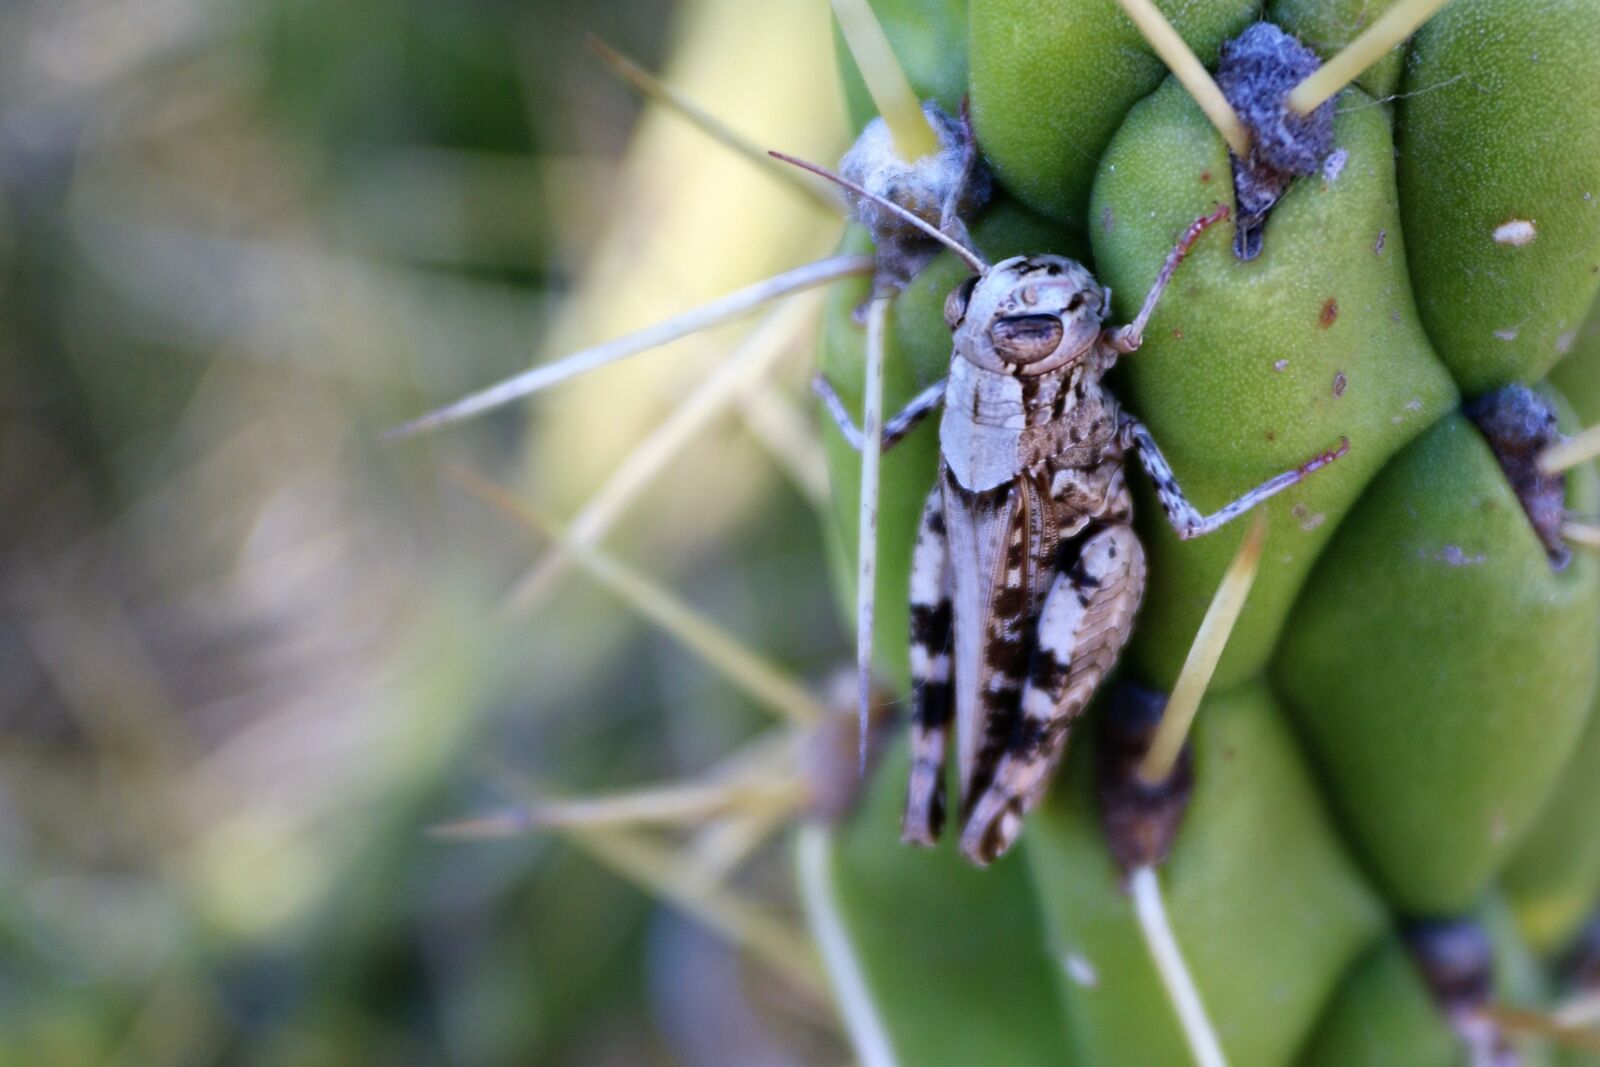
1025	339
955	305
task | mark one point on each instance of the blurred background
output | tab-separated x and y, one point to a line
250	652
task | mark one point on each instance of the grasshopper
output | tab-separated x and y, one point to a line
1027	573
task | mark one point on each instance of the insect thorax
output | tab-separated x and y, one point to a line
997	425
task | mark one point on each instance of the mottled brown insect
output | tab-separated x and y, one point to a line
1027	572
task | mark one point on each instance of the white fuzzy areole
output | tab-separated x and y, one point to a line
982	426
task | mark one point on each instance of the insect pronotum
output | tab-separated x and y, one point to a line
1027	573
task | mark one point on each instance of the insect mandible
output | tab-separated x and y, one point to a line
1027	573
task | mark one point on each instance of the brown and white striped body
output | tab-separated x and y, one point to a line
1026	576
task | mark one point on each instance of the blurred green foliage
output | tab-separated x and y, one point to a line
247	651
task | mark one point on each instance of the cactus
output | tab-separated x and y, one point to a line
1399	753
1377	843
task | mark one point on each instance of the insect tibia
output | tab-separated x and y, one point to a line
1140	819
1128	338
895	428
931	696
1185	518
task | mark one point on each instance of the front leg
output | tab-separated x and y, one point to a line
930	676
1086	619
921	406
1127	338
1185	518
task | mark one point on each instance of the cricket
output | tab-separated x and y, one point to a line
1027	573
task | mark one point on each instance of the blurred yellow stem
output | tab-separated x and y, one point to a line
765	683
777	335
886	81
1586	534
679	103
1209	642
1537	1024
746	924
1582	1010
725	844
788	437
677	802
1187	68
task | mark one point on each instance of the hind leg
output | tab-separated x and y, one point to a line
1086	619
930	676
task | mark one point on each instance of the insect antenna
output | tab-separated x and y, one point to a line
713	313
871	444
970	256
